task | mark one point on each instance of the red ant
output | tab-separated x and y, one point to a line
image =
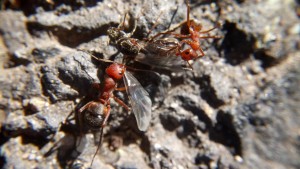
192	39
97	111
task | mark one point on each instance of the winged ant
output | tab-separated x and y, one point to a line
95	113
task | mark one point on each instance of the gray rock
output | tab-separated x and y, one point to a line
238	107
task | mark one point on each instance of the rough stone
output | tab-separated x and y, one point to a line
237	108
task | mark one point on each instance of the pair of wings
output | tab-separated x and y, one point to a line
141	103
160	53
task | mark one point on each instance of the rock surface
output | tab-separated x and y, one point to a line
238	108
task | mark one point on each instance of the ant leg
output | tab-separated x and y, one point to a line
167	32
120	102
85	106
201	52
189	64
102	60
106	114
210	37
188	13
188	22
121	89
98	147
170	33
185	41
67	118
80	111
218	25
79	115
178	26
134	29
155	24
180	35
208	30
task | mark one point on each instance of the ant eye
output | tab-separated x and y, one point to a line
187	52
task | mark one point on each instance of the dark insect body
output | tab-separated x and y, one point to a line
123	41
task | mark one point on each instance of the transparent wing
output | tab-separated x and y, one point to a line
161	53
140	101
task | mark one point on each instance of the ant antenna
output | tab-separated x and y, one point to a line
134	28
122	24
154	26
103	60
95	57
173	16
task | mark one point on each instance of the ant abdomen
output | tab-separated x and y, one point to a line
94	116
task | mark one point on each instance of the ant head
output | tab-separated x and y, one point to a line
115	33
115	71
195	26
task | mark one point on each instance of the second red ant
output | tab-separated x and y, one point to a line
175	47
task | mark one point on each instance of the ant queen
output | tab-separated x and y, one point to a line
95	113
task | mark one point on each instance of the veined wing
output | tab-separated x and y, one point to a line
140	101
161	53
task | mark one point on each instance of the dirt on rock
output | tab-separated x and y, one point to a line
238	107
